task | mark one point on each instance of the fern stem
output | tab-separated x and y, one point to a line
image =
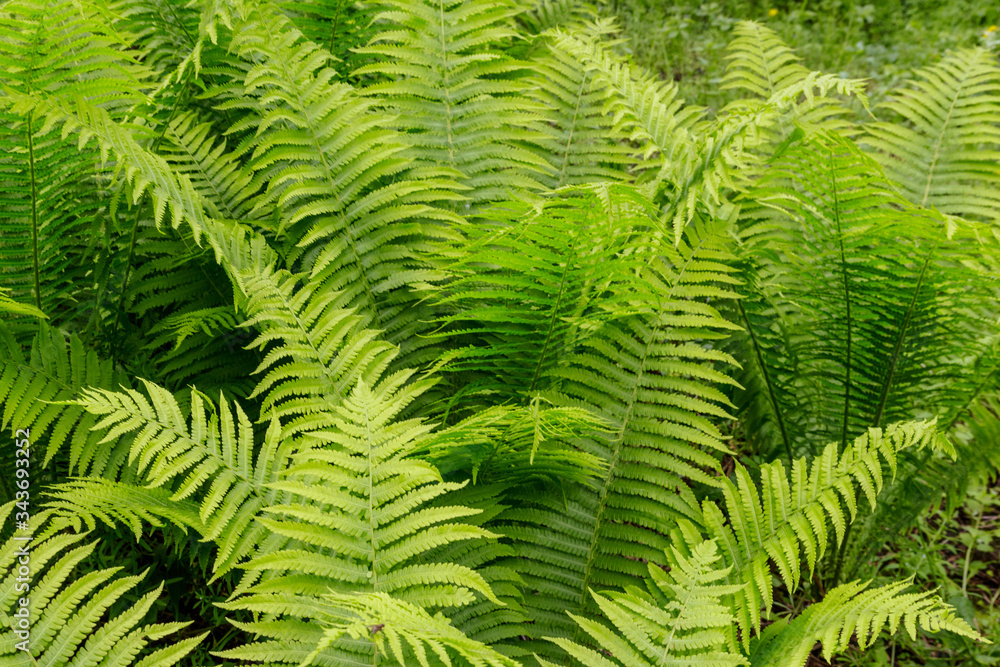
328	175
770	387
552	320
841	556
669	641
572	130
605	486
34	213
842	551
847	305
135	223
968	552
887	384
937	143
335	25
372	471
446	87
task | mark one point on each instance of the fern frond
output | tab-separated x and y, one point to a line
69	50
402	630
352	207
145	171
692	162
323	348
455	93
945	153
168	31
365	523
787	519
226	187
682	624
53	194
856	610
499	625
651	376
581	142
543	15
762	66
96	500
532	281
9	305
32	388
341	27
881	299
659	118
209	460
67	618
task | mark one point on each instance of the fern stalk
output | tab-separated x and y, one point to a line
135	223
34	213
767	382
877	419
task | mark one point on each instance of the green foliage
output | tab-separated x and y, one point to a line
469	342
59	618
952	136
682	623
31	385
450	86
686	618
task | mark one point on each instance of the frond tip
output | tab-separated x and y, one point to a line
402	630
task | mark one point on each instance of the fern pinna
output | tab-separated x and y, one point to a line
452	337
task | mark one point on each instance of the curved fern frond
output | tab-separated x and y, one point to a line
226	187
945	155
69	50
353	209
784	519
695	161
856	610
659	119
762	65
682	623
323	348
9	305
96	500
209	459
403	631
33	387
692	162
685	620
145	171
60	617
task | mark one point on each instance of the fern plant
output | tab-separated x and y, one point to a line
453	337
